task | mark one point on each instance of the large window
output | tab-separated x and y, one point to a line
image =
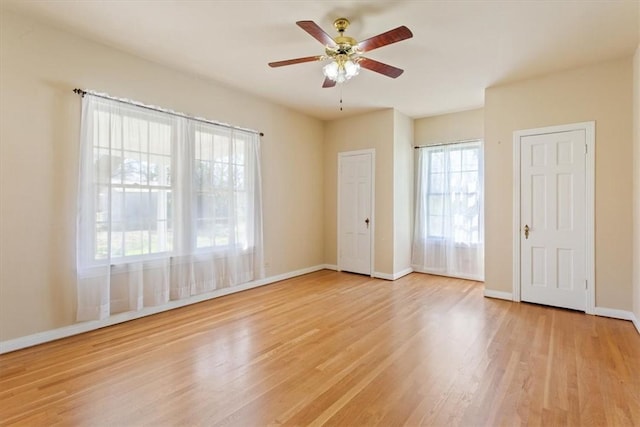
221	190
448	235
168	206
132	159
453	193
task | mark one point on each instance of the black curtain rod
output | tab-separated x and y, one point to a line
462	141
82	93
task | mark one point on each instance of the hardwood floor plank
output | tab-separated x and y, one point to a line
334	348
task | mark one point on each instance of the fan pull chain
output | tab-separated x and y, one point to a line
340	97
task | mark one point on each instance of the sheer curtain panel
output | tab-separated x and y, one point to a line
448	234
168	207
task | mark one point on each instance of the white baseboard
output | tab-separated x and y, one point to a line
384	276
402	273
614	313
394	276
78	328
498	294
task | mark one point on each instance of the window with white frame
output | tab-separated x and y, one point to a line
453	192
167	206
448	229
221	191
132	154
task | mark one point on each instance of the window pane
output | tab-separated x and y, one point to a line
221	149
134	169
205	205
133	242
160	239
455	161
160	138
205	233
102	241
470	159
222	204
242	232
222	232
136	134
117	240
239	151
435	224
102	165
220	174
204	146
102	203
469	182
117	205
436	204
159	170
437	161
455	182
437	183
238	177
204	175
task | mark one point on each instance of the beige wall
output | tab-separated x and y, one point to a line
450	127
38	152
636	185
402	191
602	92
371	130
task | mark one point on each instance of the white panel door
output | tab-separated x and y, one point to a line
553	219
355	221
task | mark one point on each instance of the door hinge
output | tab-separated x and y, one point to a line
586	284
586	149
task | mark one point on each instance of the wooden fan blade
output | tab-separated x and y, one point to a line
295	61
391	36
328	82
380	67
316	32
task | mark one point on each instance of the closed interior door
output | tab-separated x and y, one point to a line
553	225
355	221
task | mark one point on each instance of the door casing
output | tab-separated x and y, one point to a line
342	155
589	129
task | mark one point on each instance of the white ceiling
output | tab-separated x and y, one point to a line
459	47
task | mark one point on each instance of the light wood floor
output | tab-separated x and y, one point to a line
337	349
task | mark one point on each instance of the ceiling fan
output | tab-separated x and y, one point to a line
345	52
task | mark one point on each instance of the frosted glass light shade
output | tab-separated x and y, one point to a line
331	70
351	69
341	72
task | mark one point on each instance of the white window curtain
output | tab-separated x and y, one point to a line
448	234
168	207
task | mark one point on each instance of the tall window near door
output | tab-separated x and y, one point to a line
168	207
449	227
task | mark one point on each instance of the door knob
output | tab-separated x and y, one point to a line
366	221
526	231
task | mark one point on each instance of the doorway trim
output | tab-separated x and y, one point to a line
342	155
590	132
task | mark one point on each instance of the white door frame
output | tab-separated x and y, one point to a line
590	133
341	155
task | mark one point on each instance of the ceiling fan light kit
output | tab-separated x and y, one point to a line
345	53
341	70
